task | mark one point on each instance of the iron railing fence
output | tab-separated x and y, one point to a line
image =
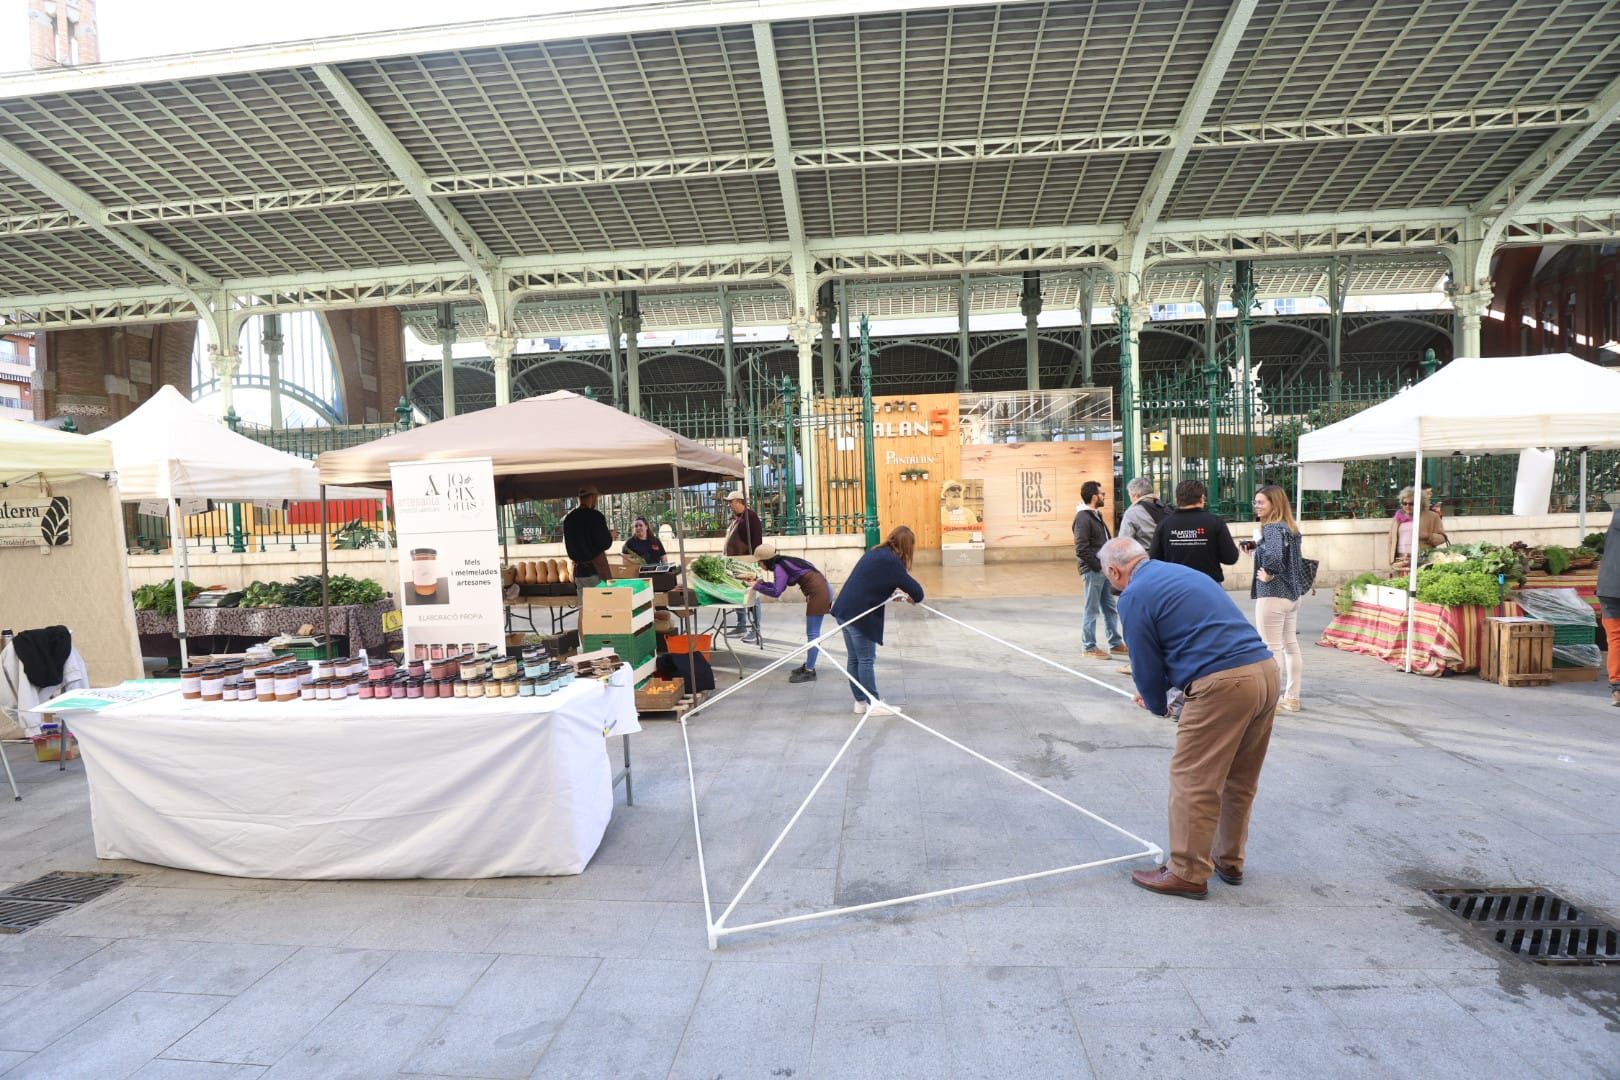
1203	429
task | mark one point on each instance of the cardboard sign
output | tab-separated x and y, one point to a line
28	521
450	556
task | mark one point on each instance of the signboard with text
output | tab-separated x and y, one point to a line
29	521
450	555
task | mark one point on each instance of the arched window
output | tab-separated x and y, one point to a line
311	395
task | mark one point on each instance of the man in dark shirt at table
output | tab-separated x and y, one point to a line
1192	536
587	538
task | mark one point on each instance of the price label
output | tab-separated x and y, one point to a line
392	621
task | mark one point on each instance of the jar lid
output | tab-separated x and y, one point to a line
419	552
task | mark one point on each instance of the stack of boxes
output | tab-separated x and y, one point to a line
619	616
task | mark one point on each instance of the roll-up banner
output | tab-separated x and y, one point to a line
449	553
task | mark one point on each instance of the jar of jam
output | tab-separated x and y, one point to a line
458	689
377	671
475	688
365	690
430	688
504	668
191	682
509	688
417	669
213	683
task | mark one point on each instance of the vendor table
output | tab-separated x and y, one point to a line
1445	638
362	624
357	789
558	608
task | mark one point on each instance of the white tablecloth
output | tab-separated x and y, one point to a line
356	789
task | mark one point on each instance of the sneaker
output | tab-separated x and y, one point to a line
1097	654
1126	670
1614	699
801	674
860	708
1120	650
882	709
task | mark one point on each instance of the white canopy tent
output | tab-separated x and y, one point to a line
1481	405
28	451
170	449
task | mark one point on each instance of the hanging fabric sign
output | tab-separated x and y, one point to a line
36	522
450	557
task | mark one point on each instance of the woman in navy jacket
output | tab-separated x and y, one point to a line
881	572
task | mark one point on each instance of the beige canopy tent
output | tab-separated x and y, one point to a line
544	448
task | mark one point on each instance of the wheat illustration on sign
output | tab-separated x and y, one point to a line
56	526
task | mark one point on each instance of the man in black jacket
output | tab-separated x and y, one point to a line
586	537
1192	536
1090	534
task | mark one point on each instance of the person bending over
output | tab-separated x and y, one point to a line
881	573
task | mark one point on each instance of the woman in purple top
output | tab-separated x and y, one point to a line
780	571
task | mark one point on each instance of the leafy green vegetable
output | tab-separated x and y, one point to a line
1344	595
1558	559
718	570
348	590
261	594
1594	542
1458	585
160	597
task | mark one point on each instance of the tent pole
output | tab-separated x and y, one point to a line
1299	490
326	581
1417	543
1580	512
177	541
680	541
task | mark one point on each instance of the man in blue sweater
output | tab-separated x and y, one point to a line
1185	632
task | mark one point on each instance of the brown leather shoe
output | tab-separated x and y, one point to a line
1120	650
1163	881
1228	875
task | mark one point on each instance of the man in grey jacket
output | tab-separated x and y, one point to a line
1141	521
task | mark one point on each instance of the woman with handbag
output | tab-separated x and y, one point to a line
1279	582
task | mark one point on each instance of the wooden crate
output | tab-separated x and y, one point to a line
1518	652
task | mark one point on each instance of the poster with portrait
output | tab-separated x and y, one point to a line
961	513
449	553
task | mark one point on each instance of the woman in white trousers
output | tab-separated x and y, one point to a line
1278	583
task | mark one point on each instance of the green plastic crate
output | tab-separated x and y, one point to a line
1573	634
636	649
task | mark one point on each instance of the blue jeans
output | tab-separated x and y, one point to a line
812	630
743	616
862	662
1099	599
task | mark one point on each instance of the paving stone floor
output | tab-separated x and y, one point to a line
1329	961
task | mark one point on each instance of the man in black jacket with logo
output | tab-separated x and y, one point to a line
1192	536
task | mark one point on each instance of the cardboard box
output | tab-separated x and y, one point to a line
624	607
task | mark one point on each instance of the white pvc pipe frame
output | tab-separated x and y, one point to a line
717	928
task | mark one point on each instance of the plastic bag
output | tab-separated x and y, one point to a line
1577	655
1562	607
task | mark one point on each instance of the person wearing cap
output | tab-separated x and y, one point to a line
743	535
587	538
777	572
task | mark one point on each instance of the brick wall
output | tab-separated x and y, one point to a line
100	376
369	344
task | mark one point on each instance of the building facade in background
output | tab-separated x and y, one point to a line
62	33
16	376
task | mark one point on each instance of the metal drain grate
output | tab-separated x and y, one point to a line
25	906
19	915
1536	924
65	888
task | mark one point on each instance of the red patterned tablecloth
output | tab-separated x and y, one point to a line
1445	638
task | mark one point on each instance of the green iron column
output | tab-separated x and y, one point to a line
238	534
790	488
1212	383
1428	366
868	442
1243	298
1127	404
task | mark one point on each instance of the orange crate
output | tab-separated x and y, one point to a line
702	644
